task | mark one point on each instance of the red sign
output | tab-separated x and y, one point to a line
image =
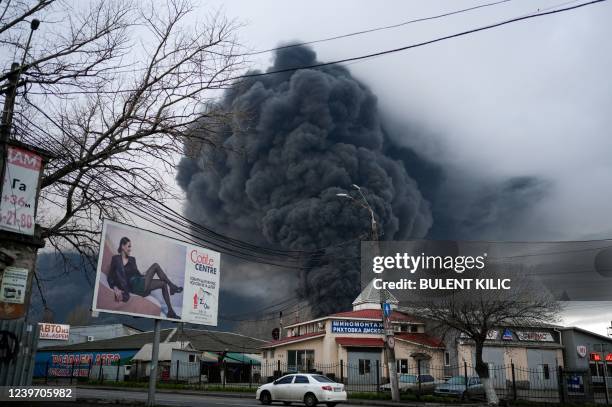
609	357
596	357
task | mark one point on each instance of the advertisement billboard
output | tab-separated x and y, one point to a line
58	332
143	274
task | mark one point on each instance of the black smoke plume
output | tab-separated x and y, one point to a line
295	140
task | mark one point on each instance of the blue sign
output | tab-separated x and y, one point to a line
357	327
507	335
387	309
67	363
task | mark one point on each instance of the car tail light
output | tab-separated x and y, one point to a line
328	388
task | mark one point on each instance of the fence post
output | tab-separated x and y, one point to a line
71	372
308	366
418	378
89	370
605	376
47	373
100	375
341	371
561	385
118	367
465	375
513	381
200	374
224	374
377	375
250	373
176	379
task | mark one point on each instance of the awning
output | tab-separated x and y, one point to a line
360	342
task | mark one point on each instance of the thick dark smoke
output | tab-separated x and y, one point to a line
295	141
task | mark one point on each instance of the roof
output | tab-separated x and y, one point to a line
293	339
371	295
361	342
586	332
421	339
135	341
202	340
165	350
376	314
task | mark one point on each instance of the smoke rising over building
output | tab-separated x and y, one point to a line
295	140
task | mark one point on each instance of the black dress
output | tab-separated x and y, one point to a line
126	277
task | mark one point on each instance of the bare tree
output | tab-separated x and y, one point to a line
109	88
474	313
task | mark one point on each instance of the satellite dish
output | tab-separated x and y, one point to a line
276	334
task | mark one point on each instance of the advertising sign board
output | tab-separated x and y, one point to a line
59	332
143	274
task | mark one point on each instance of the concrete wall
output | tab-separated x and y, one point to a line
79	334
573	338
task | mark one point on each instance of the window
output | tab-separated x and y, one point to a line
414	328
191	358
446	358
402	366
285	380
271	353
364	366
544	371
300	360
322	379
301	379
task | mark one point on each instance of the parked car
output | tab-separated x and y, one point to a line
307	388
455	386
410	383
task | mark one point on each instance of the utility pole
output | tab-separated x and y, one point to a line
389	335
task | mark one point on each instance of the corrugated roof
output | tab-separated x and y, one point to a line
361	342
165	350
292	339
421	339
202	340
135	341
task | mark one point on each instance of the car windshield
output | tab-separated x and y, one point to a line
322	379
456	380
408	378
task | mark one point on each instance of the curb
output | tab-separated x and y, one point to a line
246	395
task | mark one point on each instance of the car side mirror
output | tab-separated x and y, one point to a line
275	382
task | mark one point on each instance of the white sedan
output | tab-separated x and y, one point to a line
309	389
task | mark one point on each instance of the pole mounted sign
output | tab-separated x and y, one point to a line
20	190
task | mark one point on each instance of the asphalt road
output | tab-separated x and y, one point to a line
171	399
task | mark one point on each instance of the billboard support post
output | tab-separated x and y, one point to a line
154	360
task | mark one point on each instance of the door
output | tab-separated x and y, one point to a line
542	368
298	388
281	389
494	357
362	366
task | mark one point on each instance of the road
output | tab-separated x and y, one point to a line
172	399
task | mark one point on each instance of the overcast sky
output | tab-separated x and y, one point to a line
527	99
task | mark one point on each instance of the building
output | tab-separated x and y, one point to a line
209	351
176	360
586	351
88	333
349	345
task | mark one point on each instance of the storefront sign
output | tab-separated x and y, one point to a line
67	364
58	332
582	350
492	334
19	190
535	336
357	327
14	283
507	335
609	357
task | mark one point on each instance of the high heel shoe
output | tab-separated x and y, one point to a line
172	314
175	289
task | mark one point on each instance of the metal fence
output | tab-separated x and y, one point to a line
510	382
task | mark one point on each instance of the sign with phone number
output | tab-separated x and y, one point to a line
19	190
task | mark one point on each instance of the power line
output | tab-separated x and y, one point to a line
387	27
419	44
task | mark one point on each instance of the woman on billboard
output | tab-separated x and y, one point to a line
124	278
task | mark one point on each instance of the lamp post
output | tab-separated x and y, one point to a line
389	341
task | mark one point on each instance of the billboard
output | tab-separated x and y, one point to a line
19	190
59	332
143	274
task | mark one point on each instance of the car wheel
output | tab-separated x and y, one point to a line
265	398
310	400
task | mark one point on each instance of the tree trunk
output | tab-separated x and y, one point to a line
482	369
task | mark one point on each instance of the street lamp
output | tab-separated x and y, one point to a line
388	333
